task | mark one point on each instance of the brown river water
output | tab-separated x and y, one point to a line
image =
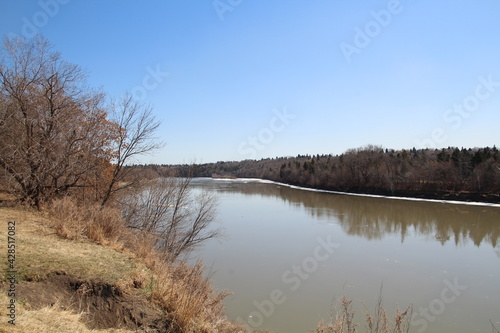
287	254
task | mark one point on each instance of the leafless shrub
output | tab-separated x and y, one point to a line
167	209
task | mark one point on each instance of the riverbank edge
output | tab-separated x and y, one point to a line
82	285
367	195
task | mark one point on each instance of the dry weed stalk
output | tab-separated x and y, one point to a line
493	327
343	320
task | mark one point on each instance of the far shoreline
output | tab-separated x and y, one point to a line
367	195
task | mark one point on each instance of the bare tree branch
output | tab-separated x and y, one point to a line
136	136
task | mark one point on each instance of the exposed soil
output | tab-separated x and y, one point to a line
103	305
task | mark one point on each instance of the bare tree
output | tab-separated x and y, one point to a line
168	209
136	136
53	130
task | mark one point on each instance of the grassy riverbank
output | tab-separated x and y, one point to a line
95	279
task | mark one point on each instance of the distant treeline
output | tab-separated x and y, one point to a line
449	173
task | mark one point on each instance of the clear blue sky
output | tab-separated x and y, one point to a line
260	78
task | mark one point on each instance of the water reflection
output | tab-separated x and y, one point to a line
376	218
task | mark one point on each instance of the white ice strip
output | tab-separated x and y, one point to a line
455	202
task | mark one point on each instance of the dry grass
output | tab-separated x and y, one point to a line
102	225
40	251
190	299
343	320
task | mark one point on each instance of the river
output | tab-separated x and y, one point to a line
287	254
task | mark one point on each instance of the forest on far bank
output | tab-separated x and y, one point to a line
471	174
